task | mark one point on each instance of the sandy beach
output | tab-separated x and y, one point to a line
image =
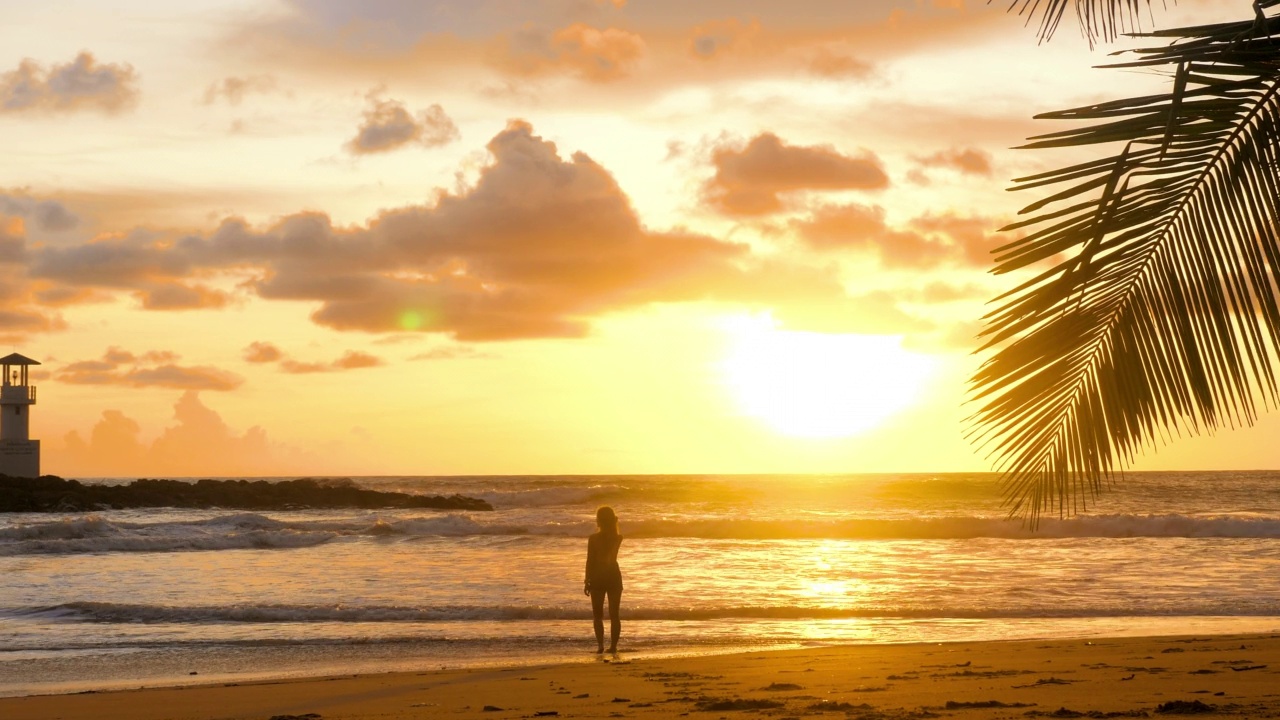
1097	678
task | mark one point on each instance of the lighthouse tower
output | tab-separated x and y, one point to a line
19	454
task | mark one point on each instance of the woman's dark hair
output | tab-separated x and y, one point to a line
606	520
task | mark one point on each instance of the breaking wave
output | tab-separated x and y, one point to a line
93	533
100	612
552	496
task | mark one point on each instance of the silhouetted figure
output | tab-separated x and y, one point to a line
604	577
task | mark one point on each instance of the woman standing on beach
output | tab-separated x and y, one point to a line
604	577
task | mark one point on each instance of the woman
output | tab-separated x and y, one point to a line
603	577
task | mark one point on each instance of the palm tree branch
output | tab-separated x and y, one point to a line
1104	19
1166	317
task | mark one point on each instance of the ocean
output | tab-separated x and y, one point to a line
145	597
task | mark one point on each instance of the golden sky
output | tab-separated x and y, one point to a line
522	236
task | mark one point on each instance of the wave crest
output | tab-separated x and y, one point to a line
249	530
100	612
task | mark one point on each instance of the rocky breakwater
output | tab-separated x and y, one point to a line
54	494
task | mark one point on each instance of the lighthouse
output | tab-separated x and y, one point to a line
19	454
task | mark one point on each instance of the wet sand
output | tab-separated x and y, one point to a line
1236	676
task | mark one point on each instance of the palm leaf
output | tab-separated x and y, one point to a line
1104	19
1164	318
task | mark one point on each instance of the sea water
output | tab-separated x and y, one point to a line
128	598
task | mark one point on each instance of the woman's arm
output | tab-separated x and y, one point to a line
586	573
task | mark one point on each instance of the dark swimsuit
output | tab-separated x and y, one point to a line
603	572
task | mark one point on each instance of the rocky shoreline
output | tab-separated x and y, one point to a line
54	494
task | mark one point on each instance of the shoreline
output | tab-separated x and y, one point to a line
1103	676
113	670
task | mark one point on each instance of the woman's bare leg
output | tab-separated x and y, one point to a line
615	625
597	613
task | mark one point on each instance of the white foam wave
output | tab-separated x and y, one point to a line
249	530
97	612
549	496
1097	526
66	529
257	540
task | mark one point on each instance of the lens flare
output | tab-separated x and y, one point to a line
412	320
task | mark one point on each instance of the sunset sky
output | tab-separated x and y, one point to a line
539	236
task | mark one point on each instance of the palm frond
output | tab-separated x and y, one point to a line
1164	318
1105	19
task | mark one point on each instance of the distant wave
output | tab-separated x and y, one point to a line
98	612
249	530
551	496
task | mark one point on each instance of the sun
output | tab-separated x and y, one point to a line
818	385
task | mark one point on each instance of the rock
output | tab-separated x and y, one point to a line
1185	707
50	493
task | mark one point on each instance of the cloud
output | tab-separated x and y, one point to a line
140	262
925	242
127	261
198	443
589	53
296	367
153	369
115	356
840	66
264	352
974	236
49	215
234	89
112	449
967	161
13	240
715	38
750	180
662	44
354	360
538	247
82	84
176	296
388	125
451	353
20	305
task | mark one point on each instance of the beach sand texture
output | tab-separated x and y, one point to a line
1236	676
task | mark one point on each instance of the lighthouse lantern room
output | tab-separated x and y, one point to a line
19	454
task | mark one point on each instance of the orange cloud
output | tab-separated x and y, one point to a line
177	296
595	54
234	89
296	367
354	359
750	180
451	353
82	84
967	161
538	247
20	311
974	236
927	241
715	38
388	125
109	371
199	443
831	64
48	215
263	352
